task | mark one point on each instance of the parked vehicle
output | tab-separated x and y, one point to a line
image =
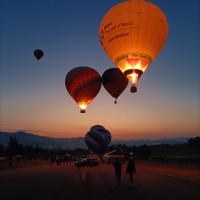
87	162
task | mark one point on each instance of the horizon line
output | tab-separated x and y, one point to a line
160	138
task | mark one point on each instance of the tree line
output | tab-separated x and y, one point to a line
19	151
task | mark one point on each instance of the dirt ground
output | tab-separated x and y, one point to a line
190	172
187	172
35	180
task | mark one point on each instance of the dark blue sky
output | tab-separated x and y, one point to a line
33	95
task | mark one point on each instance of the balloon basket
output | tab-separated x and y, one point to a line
133	89
82	111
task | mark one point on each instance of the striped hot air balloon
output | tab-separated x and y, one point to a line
97	127
97	139
83	84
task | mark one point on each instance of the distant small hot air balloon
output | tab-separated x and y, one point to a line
83	84
38	53
114	81
132	34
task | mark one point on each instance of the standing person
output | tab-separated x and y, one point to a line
131	169
118	171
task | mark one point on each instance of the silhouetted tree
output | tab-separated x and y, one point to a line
144	151
14	147
79	151
2	150
131	149
194	142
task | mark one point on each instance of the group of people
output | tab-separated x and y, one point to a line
130	170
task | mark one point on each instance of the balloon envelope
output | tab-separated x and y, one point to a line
132	34
114	81
38	53
83	84
97	140
97	127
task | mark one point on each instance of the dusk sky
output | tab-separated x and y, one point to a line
33	96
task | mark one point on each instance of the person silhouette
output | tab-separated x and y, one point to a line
118	171
131	169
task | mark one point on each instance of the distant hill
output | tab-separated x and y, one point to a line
44	142
72	143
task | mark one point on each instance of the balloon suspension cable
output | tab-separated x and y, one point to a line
82	111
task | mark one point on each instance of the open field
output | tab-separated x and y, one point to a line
41	180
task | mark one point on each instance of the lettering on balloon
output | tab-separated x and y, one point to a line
133	55
114	30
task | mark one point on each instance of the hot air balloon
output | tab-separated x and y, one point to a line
97	127
83	84
114	81
38	53
132	34
97	140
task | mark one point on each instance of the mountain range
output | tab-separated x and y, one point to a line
79	142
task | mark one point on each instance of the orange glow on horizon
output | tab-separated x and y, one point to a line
117	134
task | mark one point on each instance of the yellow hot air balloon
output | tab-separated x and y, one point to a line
132	34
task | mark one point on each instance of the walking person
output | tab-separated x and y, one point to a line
131	169
118	171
